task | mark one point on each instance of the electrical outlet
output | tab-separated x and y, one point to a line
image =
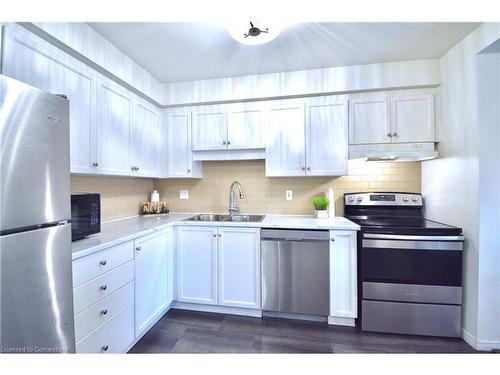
289	195
183	194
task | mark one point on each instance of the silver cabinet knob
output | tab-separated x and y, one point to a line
228	142
394	134
189	171
389	135
308	168
224	142
104	348
95	164
138	248
332	239
103	287
303	168
215	234
220	235
137	168
103	262
104	312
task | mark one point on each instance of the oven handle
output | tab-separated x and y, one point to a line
413	245
412	238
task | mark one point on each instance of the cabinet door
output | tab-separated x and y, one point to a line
244	130
343	274
144	139
179	154
239	267
37	65
151	279
412	118
209	129
326	137
197	264
285	146
369	120
114	107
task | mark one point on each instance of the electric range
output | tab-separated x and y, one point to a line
409	268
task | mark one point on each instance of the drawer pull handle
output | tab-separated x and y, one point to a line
104	312
104	287
104	348
103	262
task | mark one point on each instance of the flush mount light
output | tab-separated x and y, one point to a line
253	32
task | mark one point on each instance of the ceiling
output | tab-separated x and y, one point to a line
192	51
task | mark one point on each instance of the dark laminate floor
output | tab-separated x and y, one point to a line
181	331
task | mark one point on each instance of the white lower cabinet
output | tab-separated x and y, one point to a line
114	336
218	266
343	277
197	264
239	267
151	279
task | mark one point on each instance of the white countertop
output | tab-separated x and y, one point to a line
117	231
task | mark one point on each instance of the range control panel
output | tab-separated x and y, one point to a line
383	199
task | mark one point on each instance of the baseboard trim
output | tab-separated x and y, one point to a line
486	346
340	321
216	309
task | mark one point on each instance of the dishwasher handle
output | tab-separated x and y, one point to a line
294	235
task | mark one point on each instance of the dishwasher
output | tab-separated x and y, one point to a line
295	271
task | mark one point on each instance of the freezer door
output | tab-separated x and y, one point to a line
34	156
36	296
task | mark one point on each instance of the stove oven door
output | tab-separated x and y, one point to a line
415	281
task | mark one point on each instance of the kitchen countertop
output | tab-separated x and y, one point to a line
118	231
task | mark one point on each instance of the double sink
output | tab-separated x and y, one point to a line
227	218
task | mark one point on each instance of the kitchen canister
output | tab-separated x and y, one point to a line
155	197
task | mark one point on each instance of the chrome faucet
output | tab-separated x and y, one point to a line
233	203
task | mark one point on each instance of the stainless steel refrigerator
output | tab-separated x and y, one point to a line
36	301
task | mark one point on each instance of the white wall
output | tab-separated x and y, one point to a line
450	184
402	74
488	325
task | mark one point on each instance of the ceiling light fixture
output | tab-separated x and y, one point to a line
253	32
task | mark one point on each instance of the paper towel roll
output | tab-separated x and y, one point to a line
331	206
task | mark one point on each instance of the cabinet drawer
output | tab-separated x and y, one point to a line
95	290
92	266
114	336
102	311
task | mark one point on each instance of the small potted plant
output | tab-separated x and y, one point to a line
320	205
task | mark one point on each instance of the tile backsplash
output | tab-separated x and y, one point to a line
120	196
267	194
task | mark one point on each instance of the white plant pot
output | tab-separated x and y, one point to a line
321	214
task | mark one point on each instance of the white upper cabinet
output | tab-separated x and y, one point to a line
285	151
412	118
406	117
144	138
245	127
239	267
209	129
178	146
197	264
43	66
369	119
326	137
151	279
114	117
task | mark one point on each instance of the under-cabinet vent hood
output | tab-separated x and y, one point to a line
394	151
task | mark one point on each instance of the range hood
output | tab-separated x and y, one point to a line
394	151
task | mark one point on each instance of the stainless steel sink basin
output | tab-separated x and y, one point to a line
245	218
207	217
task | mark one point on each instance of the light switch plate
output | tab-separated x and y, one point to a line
289	195
183	194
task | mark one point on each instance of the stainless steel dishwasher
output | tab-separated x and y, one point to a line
295	271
